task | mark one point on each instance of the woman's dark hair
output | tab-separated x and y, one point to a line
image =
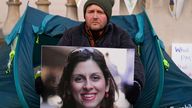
80	55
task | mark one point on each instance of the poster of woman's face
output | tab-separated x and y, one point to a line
85	76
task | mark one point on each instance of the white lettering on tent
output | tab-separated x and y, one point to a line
182	56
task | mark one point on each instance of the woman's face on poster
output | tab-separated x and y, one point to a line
88	84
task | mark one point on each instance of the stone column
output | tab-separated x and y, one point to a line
137	9
12	16
147	4
139	6
123	8
80	6
43	5
71	9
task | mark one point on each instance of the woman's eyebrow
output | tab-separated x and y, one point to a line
97	73
76	75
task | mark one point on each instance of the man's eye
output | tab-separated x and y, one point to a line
90	11
100	12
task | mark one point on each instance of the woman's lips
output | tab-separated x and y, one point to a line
88	96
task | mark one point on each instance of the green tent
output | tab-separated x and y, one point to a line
166	85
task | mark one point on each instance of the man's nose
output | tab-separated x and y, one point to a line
95	15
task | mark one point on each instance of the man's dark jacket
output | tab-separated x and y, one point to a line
114	37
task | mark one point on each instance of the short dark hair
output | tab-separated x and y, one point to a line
80	55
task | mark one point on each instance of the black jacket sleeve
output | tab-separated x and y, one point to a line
65	39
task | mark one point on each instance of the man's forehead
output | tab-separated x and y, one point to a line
94	5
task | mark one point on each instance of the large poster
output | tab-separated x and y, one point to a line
182	56
57	60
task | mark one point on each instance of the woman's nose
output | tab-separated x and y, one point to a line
88	85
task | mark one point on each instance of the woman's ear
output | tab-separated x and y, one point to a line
107	85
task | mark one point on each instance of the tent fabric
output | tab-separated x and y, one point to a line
7	86
150	57
163	88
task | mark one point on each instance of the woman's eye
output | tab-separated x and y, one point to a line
78	79
95	78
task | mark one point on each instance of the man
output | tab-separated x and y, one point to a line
98	31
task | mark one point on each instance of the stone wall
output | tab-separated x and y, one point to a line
169	30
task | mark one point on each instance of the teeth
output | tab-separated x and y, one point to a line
88	95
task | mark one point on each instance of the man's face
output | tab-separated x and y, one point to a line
95	17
